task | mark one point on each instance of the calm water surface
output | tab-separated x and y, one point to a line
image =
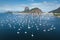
29	27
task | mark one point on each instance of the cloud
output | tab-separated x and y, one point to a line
44	6
31	0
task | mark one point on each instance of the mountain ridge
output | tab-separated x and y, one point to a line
55	11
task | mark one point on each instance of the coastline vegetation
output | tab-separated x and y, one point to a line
56	14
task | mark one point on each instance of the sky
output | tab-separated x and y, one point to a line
19	5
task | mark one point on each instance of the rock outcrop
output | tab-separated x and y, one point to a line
33	10
36	10
55	11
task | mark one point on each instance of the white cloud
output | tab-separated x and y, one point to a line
31	0
44	6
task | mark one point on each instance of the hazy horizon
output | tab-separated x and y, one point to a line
19	5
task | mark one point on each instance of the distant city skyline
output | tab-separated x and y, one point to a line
19	5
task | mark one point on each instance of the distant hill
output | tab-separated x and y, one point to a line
27	10
8	12
36	10
33	10
55	11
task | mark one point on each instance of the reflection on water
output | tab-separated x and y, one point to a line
29	26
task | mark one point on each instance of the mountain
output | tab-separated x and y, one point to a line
33	10
55	11
27	10
36	10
